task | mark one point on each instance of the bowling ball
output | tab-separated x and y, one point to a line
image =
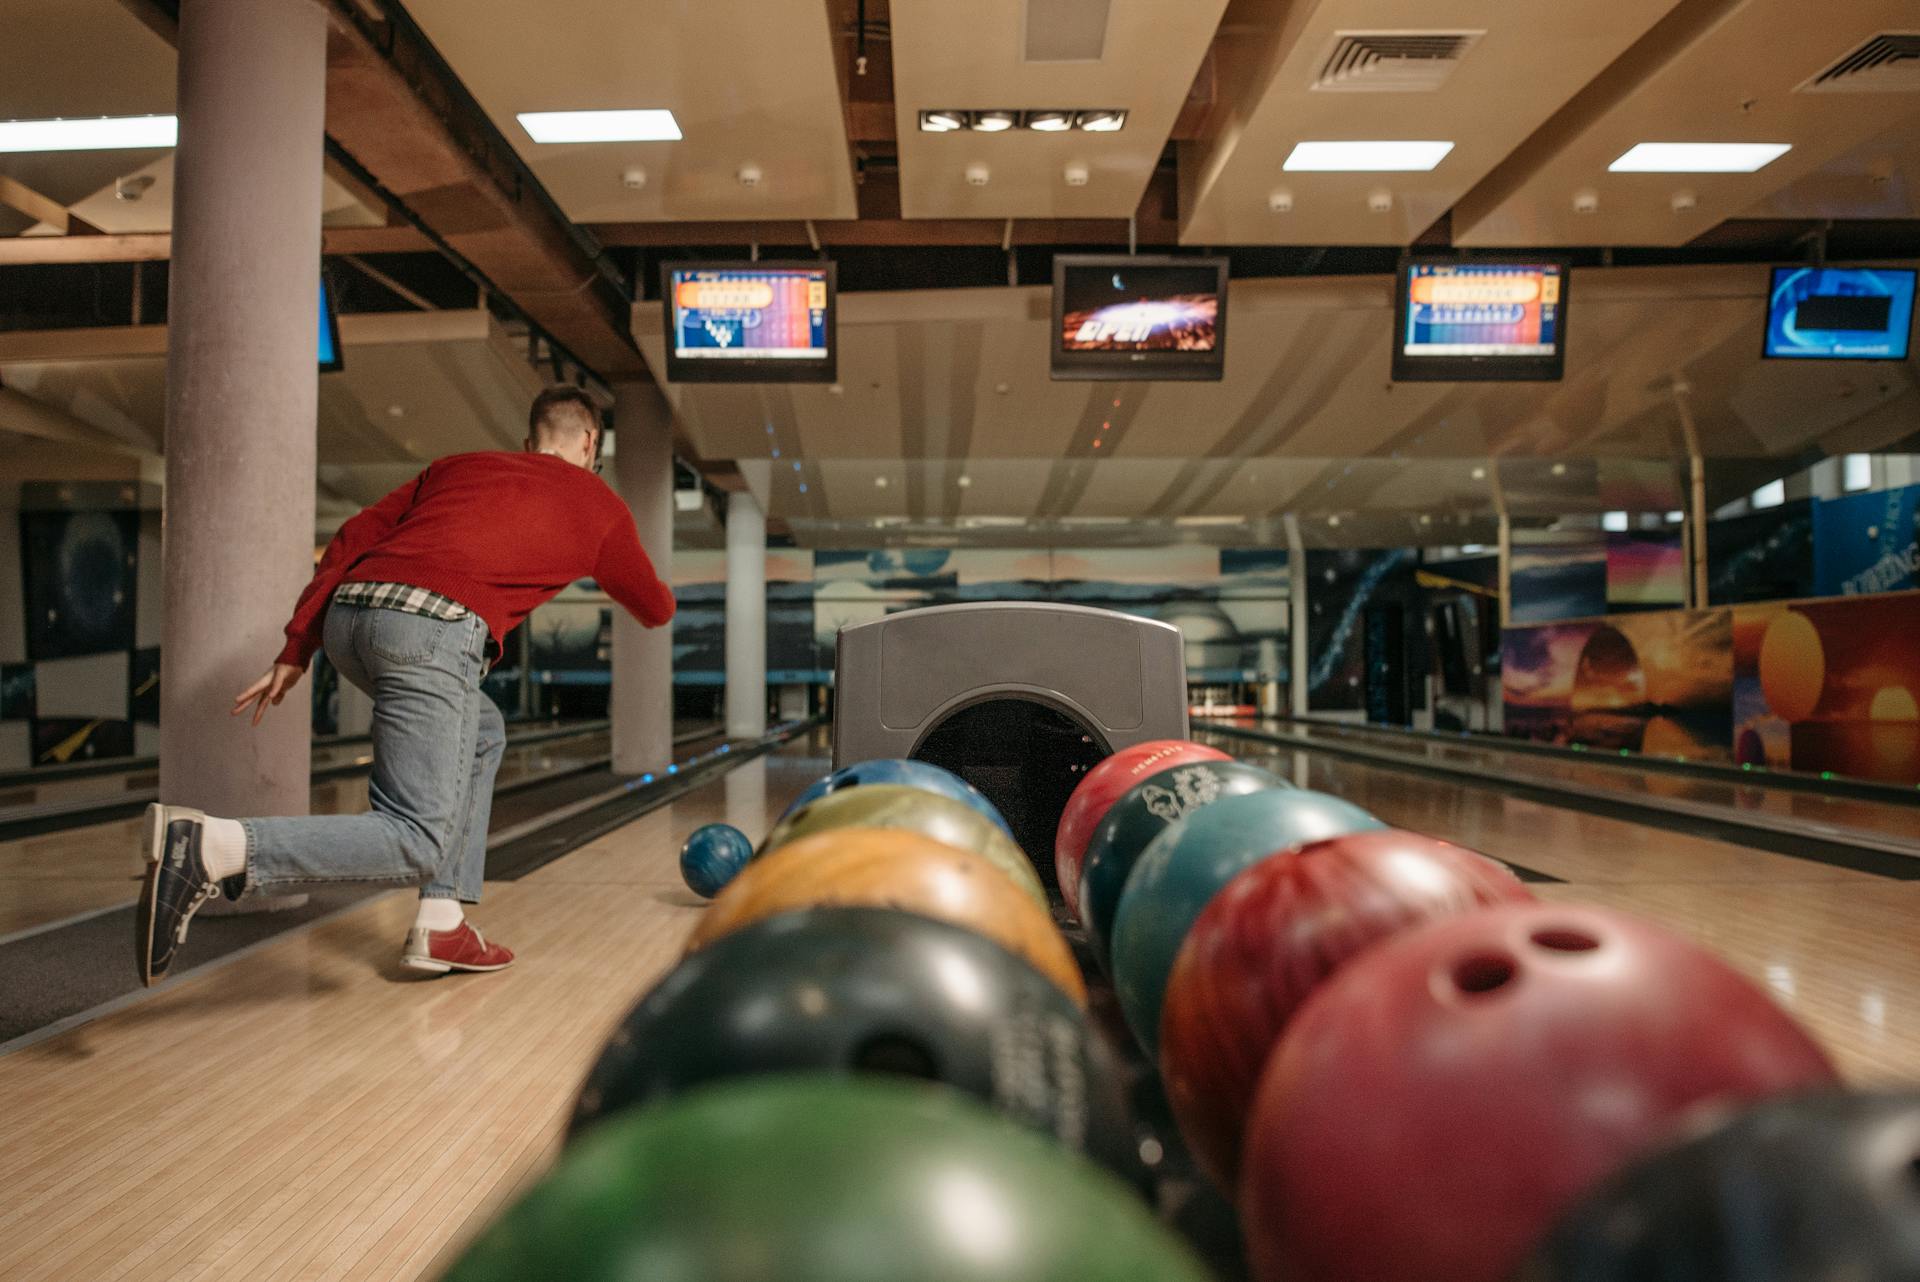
914	774
870	990
893	868
1446	1096
1817	1188
893	805
1270	938
824	1179
1187	865
1105	784
711	856
1143	813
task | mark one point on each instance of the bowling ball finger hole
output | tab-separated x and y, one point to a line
1559	940
897	1055
1484	973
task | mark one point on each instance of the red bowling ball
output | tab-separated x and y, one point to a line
1440	1102
1105	784
1269	939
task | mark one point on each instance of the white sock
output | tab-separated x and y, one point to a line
439	914
223	847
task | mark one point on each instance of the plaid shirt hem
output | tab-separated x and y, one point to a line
403	597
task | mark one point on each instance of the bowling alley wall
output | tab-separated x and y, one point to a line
1807	660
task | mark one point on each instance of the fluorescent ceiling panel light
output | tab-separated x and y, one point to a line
106	133
1699	157
1676	516
1614	522
1408	157
1856	472
650	124
1772	494
1203	522
1471	549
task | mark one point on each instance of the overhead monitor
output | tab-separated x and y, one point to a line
1840	314
744	322
332	359
1476	319
1139	317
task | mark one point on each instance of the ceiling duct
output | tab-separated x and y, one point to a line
1066	30
1888	63
1392	61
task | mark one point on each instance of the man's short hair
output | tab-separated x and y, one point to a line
559	410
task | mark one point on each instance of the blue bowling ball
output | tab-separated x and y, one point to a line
711	857
912	774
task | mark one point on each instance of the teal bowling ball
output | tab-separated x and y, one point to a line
911	774
711	856
1191	862
1145	811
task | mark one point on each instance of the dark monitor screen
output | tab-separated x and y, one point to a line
1467	320
332	358
1840	314
1139	317
749	322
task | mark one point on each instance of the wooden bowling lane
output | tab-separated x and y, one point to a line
1835	947
311	1110
64	874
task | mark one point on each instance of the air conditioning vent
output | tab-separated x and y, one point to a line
1393	61
1066	30
1887	63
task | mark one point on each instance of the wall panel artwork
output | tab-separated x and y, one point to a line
1866	543
80	576
1813	686
1557	576
1349	591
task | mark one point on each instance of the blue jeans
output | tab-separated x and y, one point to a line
437	741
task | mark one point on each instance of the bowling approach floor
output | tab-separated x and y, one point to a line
311	1111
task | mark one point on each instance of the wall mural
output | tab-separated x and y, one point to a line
1826	685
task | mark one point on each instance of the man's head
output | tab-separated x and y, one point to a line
565	421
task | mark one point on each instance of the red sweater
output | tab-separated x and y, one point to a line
499	533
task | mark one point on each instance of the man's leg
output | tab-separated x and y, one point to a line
422	673
463	869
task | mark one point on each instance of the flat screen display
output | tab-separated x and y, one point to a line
1840	314
332	359
749	322
1469	320
1139	317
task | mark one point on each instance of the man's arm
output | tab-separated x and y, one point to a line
626	572
353	540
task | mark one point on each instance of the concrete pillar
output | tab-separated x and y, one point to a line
746	617
1297	590
642	700
242	396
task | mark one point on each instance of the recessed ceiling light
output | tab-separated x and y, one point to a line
105	133
1699	157
993	122
880	482
1367	157
1050	122
1479	473
652	124
963	482
1333	520
942	122
1559	469
1101	122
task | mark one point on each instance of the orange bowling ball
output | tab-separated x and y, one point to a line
894	868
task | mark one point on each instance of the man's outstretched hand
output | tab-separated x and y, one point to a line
270	689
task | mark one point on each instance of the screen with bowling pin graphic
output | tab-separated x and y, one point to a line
1468	320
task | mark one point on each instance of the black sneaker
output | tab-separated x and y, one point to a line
177	883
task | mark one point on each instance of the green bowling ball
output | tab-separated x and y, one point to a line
824	1179
888	805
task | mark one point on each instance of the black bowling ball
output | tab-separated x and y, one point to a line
1817	1188
871	990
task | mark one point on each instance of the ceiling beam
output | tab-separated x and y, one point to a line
19	197
153	247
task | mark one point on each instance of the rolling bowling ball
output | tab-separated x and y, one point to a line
1146	811
1446	1096
914	774
1186	866
1818	1188
892	805
1105	784
1270	938
824	1179
870	990
892	868
711	856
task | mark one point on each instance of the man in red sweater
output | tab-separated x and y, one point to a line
411	601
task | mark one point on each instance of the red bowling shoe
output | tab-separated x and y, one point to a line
461	948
